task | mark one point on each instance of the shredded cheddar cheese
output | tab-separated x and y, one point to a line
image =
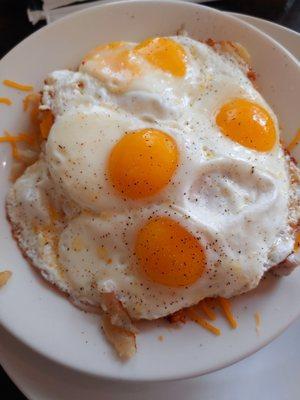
15	152
177	317
31	104
226	308
46	123
297	242
18	86
41	120
294	142
5	100
26	146
192	314
207	310
21	137
257	319
4	277
13	140
30	100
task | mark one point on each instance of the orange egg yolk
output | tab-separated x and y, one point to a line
169	254
248	124
113	60
142	163
165	54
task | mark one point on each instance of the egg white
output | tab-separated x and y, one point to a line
235	200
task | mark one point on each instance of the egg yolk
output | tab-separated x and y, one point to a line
248	124
142	163
111	60
168	253
165	54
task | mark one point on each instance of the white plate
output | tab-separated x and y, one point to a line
47	322
285	36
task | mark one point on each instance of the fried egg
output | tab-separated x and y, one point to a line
162	181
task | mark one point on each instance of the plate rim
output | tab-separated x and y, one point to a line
179	376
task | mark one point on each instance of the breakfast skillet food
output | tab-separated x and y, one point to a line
155	180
